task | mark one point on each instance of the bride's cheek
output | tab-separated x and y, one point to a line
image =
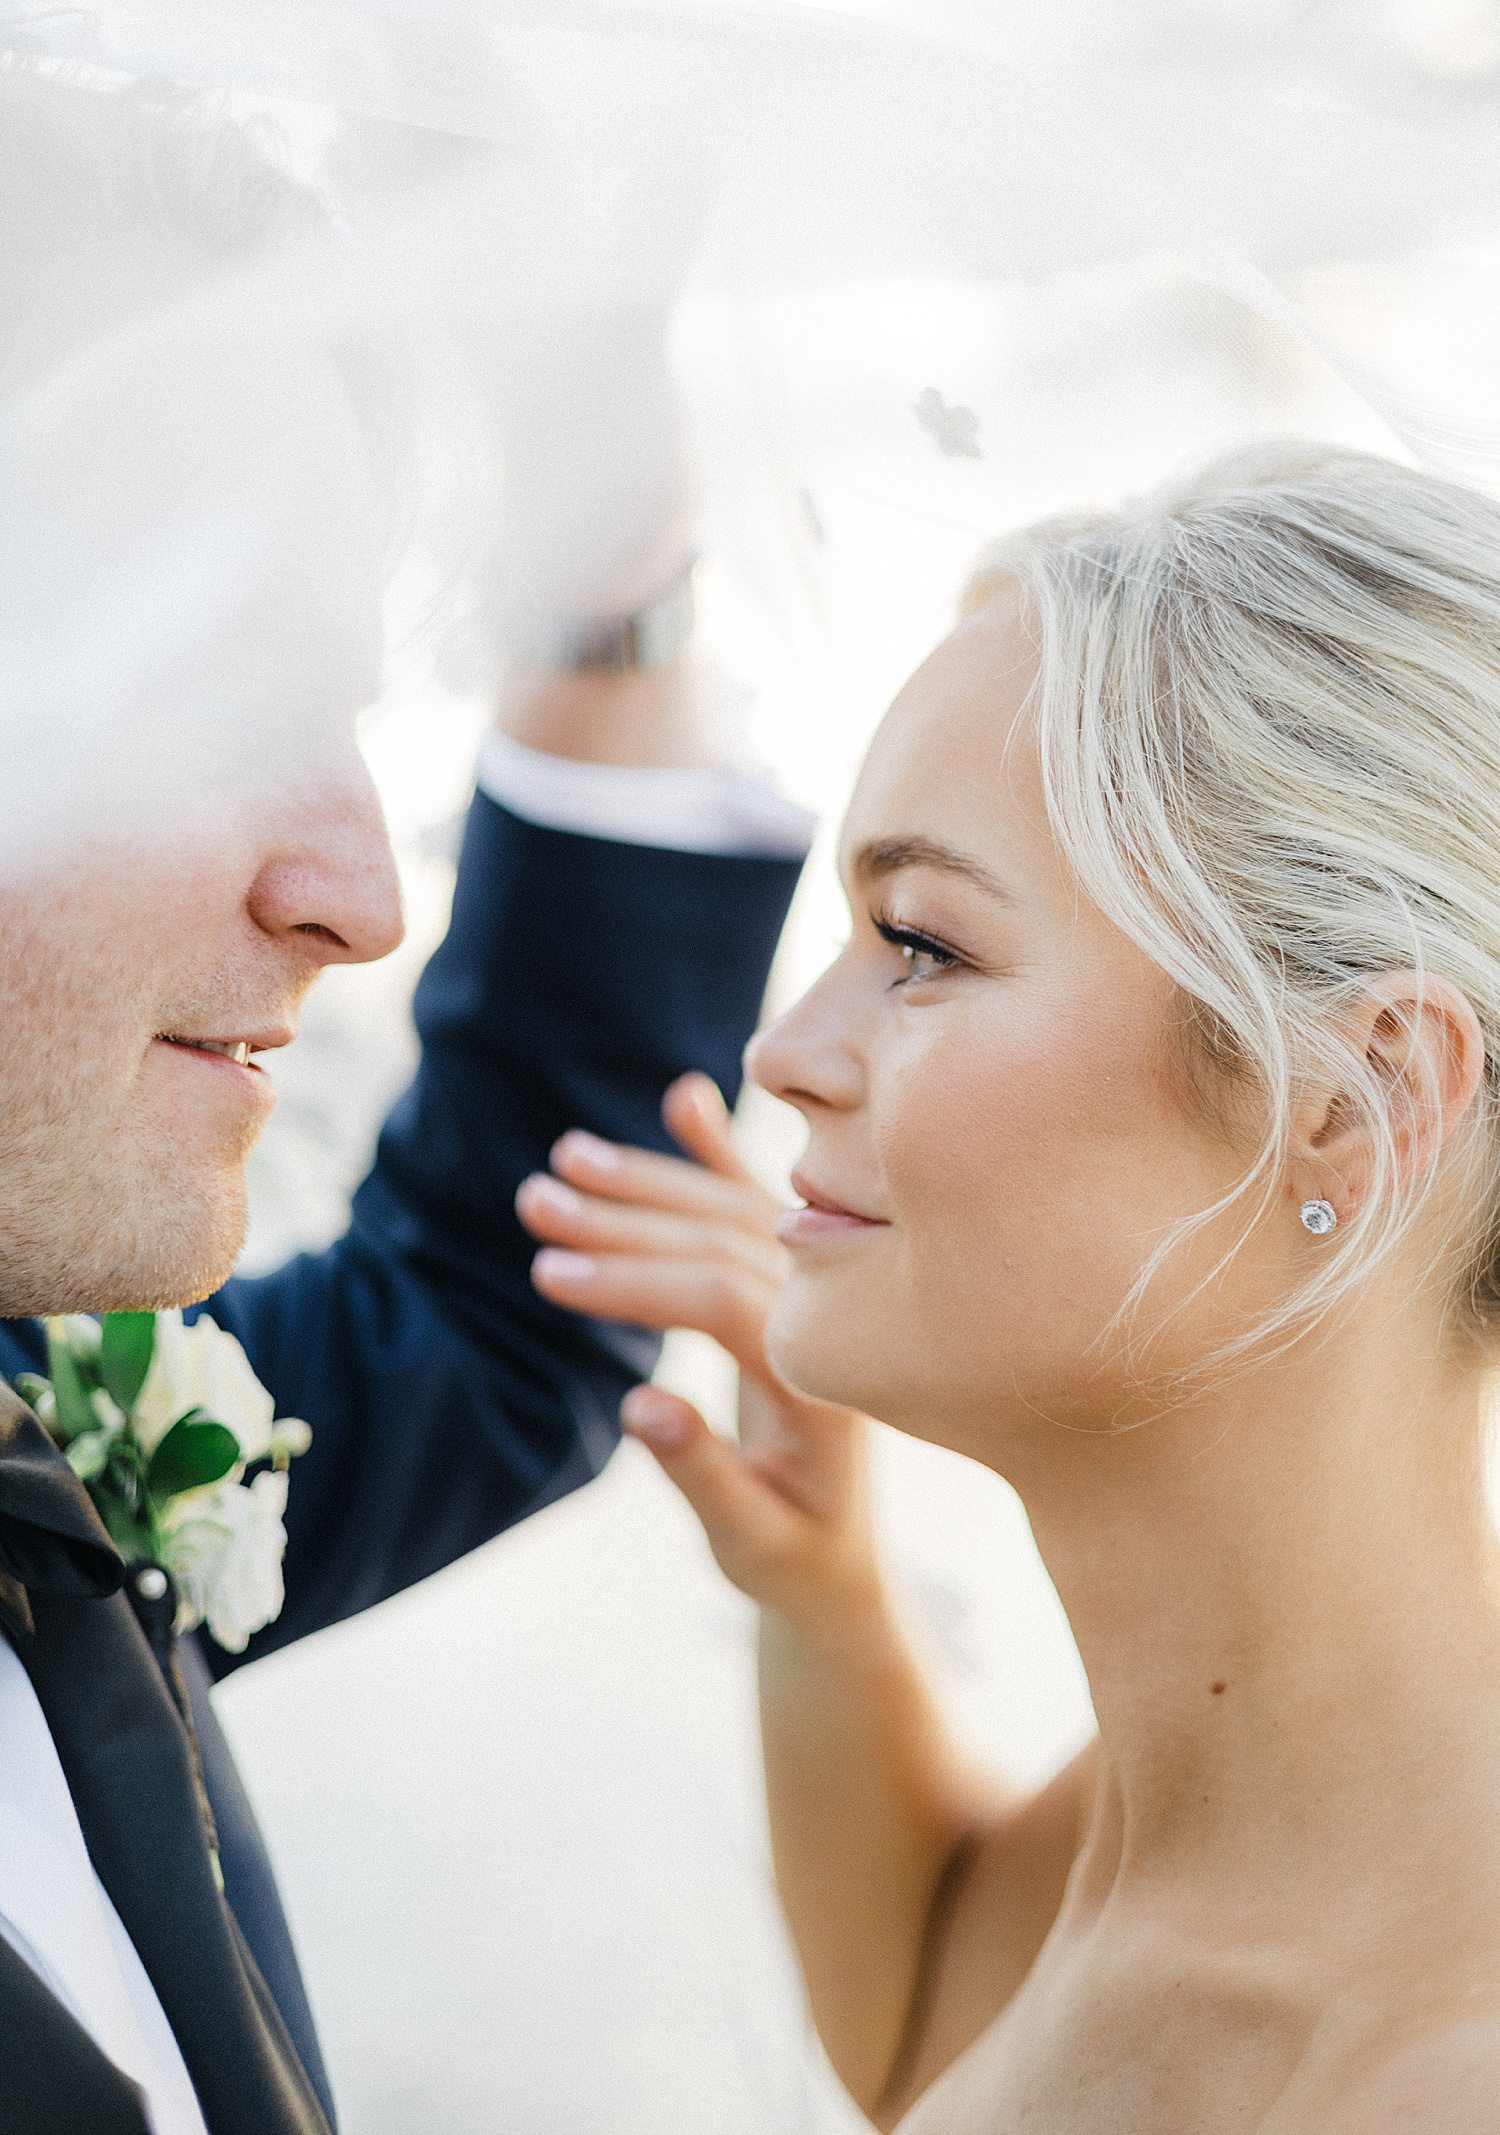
967	1129
1001	1154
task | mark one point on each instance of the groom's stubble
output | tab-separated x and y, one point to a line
122	1161
106	1203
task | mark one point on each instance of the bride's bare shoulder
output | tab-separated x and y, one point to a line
997	1916
1443	2081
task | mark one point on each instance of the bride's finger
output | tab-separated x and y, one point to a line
698	1120
721	1298
620	1173
748	1522
558	1214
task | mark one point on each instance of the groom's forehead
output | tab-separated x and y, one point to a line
189	534
194	579
68	296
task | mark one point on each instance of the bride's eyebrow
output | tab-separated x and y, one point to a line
872	862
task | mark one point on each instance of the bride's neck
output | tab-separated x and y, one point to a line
1280	1594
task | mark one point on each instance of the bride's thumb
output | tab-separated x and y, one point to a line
730	1499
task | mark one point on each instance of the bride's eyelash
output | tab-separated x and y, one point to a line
915	944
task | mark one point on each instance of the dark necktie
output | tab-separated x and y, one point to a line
51	1539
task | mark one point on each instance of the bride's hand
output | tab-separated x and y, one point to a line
663	1242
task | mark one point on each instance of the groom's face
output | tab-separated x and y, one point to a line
124	973
192	617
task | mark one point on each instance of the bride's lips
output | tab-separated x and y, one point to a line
822	1219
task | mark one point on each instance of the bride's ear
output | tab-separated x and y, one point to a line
1423	1046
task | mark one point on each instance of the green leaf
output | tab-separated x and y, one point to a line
75	1413
125	1351
192	1453
88	1455
132	1535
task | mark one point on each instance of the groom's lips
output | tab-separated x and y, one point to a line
261	1041
229	1059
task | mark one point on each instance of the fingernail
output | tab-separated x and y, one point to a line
647	1415
560	1266
587	1148
552	1193
709	1098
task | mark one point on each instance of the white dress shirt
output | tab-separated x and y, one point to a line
713	810
56	1914
54	1911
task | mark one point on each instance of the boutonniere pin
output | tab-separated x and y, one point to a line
159	1421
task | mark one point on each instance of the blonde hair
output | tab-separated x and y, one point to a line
1268	713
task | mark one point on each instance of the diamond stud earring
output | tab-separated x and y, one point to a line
1319	1216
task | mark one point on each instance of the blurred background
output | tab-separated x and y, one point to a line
975	263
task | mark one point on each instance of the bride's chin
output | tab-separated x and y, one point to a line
814	1357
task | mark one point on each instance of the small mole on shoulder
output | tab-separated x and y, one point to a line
1219	1689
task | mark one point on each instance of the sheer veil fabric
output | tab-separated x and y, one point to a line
926	269
913	262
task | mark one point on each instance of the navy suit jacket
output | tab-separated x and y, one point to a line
446	1399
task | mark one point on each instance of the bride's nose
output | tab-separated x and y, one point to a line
805	1057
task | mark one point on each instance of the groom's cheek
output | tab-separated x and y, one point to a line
122	1158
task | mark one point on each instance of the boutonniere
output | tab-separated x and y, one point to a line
159	1420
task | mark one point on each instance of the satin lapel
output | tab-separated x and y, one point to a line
248	1882
129	1767
53	2078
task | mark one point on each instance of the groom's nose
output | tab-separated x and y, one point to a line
329	879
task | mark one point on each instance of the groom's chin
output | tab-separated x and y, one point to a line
187	1259
173	1247
181	1240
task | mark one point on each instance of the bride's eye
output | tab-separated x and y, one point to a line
922	956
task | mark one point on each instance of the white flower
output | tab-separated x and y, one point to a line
108	1414
224	1548
202	1366
290	1439
80	1330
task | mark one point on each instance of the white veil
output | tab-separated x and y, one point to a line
915	266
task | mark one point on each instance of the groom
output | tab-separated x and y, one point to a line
612	925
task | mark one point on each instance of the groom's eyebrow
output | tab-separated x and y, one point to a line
889	856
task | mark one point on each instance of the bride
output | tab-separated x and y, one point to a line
1153	1161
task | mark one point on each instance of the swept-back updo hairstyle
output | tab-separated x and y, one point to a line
1268	713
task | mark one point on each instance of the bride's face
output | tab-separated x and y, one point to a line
994	1091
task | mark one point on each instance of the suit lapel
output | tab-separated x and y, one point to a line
249	1884
53	2078
130	1769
